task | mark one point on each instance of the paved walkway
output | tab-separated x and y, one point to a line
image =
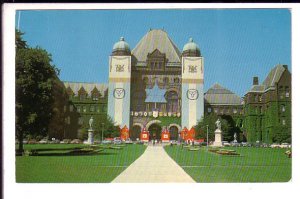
154	165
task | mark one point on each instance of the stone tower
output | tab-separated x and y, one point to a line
192	85
119	83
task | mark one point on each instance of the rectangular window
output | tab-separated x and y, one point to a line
209	110
84	109
82	96
92	108
282	108
287	94
283	122
80	121
78	109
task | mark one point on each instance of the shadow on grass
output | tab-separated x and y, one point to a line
58	149
72	153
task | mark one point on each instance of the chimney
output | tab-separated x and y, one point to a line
255	81
285	67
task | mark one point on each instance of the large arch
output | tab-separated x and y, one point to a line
174	130
174	124
135	131
152	122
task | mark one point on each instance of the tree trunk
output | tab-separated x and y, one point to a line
21	148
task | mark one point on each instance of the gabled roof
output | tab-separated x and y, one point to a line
273	76
270	81
156	39
218	95
156	94
88	87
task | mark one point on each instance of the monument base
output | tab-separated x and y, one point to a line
90	137
218	138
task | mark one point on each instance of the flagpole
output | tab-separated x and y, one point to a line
19	20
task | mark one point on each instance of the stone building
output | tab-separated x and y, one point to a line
85	100
155	85
267	108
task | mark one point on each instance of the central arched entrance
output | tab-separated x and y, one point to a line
155	131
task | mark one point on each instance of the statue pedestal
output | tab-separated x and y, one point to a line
90	136
218	138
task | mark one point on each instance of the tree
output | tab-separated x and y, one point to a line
35	76
209	120
57	122
101	122
201	127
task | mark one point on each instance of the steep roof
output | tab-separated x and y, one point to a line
273	76
220	95
270	81
88	87
156	39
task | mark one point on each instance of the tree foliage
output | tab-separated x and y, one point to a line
35	77
227	123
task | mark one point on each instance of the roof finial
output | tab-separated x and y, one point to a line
191	39
121	38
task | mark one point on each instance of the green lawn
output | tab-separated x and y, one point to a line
56	165
254	164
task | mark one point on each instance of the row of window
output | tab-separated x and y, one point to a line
224	110
91	108
282	95
259	109
156	65
68	120
83	109
166	80
83	96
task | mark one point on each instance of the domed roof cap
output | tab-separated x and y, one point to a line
121	45
191	46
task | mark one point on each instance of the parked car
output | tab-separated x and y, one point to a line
117	140
56	141
76	141
275	145
107	141
65	141
43	141
285	145
32	141
235	144
128	141
225	143
246	144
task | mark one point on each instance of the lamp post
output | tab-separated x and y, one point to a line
102	132
207	137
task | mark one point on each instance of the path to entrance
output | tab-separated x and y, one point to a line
154	165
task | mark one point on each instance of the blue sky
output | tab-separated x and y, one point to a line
236	44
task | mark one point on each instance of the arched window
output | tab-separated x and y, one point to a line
172	101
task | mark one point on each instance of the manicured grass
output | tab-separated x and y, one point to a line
254	164
57	167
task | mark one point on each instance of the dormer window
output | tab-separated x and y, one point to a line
95	94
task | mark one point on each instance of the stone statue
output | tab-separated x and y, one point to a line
218	124
91	121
